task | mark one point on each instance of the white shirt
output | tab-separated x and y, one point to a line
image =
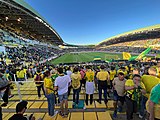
62	82
69	73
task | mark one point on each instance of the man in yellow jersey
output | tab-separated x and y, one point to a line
153	105
49	92
134	90
89	84
103	79
21	75
149	81
112	74
76	77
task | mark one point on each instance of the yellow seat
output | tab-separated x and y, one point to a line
4	115
90	106
77	116
104	116
98	105
8	116
47	117
39	115
62	118
32	97
90	116
36	105
44	105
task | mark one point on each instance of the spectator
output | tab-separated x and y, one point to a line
76	77
38	78
153	105
118	92
134	90
49	92
103	79
89	84
62	83
20	110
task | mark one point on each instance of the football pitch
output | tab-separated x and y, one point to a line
85	57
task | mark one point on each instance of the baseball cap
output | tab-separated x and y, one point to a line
120	72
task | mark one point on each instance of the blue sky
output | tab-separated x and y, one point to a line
91	21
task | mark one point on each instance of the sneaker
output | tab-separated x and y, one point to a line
115	114
10	96
140	116
55	113
4	105
21	83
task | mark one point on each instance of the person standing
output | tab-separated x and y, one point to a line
69	72
89	84
76	77
118	92
20	110
149	81
62	83
112	73
38	78
103	79
153	104
134	90
49	93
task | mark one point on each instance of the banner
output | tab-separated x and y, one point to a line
143	53
126	56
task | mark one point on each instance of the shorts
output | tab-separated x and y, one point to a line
63	97
116	97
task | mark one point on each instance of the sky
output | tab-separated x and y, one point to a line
83	22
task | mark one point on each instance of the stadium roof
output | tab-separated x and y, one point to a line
18	17
150	32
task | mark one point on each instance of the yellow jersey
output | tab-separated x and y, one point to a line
49	85
130	83
89	76
112	74
149	81
102	75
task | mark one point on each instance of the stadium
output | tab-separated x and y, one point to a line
29	43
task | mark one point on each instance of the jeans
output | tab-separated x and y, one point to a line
39	90
104	94
51	102
143	105
102	85
76	95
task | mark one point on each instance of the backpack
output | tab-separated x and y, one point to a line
3	83
38	79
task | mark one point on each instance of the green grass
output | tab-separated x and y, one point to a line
82	57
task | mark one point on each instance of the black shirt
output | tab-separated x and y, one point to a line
17	117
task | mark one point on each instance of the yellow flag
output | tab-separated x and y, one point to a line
126	56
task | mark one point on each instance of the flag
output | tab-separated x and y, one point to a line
126	56
140	56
